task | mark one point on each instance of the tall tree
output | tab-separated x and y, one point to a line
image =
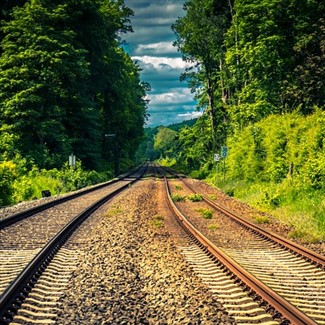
65	82
200	37
304	86
274	58
41	72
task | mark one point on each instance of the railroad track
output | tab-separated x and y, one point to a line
248	299
285	279
30	249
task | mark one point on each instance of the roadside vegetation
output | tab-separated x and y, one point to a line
20	182
66	86
258	78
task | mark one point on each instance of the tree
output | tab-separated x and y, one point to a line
65	82
165	141
200	38
304	86
41	72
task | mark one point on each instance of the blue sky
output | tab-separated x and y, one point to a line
151	46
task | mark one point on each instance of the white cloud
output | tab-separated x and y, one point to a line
161	63
156	48
190	115
175	96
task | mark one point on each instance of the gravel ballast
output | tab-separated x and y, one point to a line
131	272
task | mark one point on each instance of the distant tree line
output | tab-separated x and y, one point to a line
65	82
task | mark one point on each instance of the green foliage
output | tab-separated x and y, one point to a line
195	197
157	221
205	213
8	171
66	82
280	147
200	36
262	219
18	184
165	140
178	198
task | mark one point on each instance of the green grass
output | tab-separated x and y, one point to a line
302	209
113	212
262	219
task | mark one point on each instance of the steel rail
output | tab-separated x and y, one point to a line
10	220
17	291
294	247
285	308
303	251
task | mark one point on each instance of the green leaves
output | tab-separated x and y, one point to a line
65	82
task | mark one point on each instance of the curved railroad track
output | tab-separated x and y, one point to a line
31	239
284	276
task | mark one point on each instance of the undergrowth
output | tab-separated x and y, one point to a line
17	183
301	208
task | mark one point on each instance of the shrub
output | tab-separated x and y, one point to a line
7	175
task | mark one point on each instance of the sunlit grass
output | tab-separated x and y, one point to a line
261	219
213	227
304	210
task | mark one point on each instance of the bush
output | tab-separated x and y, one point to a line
17	184
8	173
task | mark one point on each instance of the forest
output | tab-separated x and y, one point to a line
257	72
66	87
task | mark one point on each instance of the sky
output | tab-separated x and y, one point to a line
150	45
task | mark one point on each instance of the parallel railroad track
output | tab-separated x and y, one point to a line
25	260
253	289
285	277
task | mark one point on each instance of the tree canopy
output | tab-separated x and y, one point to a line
65	82
253	58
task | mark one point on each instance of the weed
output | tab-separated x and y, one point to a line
195	197
213	197
178	187
213	227
262	219
157	221
113	212
178	198
205	213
